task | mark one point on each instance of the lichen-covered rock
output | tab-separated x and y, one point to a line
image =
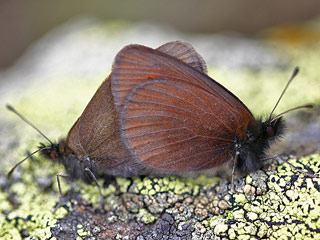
290	207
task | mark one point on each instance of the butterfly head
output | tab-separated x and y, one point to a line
61	153
56	151
258	139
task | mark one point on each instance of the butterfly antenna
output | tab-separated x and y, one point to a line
294	74
10	108
292	109
19	163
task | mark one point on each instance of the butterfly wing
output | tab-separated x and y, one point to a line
173	117
185	52
96	133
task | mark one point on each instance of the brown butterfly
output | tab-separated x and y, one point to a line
160	113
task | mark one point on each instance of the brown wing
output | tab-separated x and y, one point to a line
173	117
184	51
96	133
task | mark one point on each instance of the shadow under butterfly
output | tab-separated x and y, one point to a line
159	113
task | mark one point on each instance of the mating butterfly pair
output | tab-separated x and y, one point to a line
159	113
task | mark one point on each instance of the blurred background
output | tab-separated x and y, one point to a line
22	23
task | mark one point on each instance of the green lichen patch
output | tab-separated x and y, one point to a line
289	209
90	192
152	186
146	217
34	214
28	202
123	183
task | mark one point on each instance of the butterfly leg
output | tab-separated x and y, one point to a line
62	200
235	159
101	203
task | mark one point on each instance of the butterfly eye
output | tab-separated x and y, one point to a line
53	155
270	131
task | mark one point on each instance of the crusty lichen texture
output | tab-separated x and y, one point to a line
33	213
290	209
